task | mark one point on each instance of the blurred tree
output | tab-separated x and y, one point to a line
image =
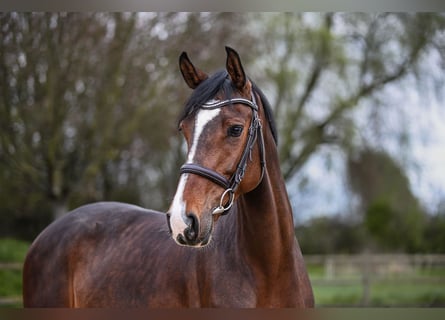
63	113
331	234
86	108
392	214
434	233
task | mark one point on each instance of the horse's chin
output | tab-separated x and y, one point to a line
204	243
207	223
206	234
199	244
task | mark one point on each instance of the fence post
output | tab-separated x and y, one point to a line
366	279
329	268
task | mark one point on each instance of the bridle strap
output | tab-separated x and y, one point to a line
255	134
217	105
206	173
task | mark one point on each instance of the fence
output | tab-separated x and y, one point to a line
422	276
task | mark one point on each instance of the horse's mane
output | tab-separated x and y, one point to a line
220	82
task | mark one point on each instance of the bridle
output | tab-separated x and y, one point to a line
231	185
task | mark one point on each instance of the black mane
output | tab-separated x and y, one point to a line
220	82
267	111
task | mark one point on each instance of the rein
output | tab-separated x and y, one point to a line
231	185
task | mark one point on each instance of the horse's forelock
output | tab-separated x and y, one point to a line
220	83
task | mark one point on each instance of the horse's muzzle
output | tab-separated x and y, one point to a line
191	236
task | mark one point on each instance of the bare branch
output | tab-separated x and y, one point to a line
320	63
314	135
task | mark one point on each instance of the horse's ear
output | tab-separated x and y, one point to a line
192	76
235	69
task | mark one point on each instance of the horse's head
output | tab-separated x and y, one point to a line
222	127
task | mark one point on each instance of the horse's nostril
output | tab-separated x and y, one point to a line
192	232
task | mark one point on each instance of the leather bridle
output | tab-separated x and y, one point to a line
231	185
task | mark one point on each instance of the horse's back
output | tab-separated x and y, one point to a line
88	235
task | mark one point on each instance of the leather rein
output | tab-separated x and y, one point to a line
231	185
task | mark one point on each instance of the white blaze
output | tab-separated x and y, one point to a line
178	206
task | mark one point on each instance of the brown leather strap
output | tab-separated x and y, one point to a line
206	173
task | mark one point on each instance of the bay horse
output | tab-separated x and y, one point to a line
227	240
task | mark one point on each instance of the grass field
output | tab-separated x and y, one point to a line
418	288
382	294
11	252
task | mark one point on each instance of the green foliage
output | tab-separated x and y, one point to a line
392	215
23	211
12	250
391	230
378	219
434	234
326	235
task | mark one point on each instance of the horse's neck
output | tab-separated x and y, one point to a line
265	223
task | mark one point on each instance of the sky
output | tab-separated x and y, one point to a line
429	153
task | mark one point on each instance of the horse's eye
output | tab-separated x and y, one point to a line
235	131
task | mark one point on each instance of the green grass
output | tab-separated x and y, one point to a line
327	295
381	295
387	292
408	294
11	283
11	251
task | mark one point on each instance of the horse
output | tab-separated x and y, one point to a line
227	239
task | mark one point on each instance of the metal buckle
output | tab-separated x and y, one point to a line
221	209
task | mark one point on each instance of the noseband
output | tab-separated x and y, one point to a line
231	185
